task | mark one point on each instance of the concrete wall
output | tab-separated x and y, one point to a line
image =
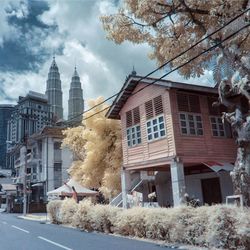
194	189
193	186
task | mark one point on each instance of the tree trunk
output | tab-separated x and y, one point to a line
235	95
240	122
241	173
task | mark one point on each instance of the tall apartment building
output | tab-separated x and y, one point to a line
5	114
30	115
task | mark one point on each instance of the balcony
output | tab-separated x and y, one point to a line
33	158
17	180
17	163
29	156
33	178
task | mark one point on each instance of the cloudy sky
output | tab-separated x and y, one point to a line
31	30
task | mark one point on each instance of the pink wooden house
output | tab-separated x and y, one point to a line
174	142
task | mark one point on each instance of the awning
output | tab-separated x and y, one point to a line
39	184
66	190
218	166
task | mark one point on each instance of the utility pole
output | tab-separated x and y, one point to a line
25	177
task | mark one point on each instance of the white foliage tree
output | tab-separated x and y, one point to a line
97	145
172	26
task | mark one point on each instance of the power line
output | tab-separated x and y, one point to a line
166	63
193	58
180	66
96	113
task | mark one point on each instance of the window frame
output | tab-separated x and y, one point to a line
159	130
187	121
187	106
130	133
217	127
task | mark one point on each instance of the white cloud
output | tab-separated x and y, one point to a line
102	65
17	8
18	84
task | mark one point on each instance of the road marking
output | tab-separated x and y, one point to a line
21	229
54	243
4	222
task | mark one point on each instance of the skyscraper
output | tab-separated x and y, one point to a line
54	90
5	114
76	102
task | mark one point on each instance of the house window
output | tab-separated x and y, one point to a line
57	175
191	124
134	135
219	129
217	126
156	128
57	145
40	168
133	117
154	107
133	127
155	121
188	103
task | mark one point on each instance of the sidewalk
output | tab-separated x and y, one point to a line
42	217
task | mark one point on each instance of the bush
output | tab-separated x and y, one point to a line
159	223
103	217
53	209
221	230
131	222
220	226
196	224
81	218
243	228
67	210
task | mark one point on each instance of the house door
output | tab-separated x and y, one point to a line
211	190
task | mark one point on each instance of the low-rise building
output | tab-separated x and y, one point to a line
7	190
47	163
174	142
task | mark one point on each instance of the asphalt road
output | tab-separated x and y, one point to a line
20	234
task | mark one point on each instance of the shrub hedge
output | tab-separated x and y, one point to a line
220	226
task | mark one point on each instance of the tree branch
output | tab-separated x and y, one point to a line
196	11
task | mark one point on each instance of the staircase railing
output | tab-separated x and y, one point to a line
117	201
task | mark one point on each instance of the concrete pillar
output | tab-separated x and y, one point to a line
126	184
178	182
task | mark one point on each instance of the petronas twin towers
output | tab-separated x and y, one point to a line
54	94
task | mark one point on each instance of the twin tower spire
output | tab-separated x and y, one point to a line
55	94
